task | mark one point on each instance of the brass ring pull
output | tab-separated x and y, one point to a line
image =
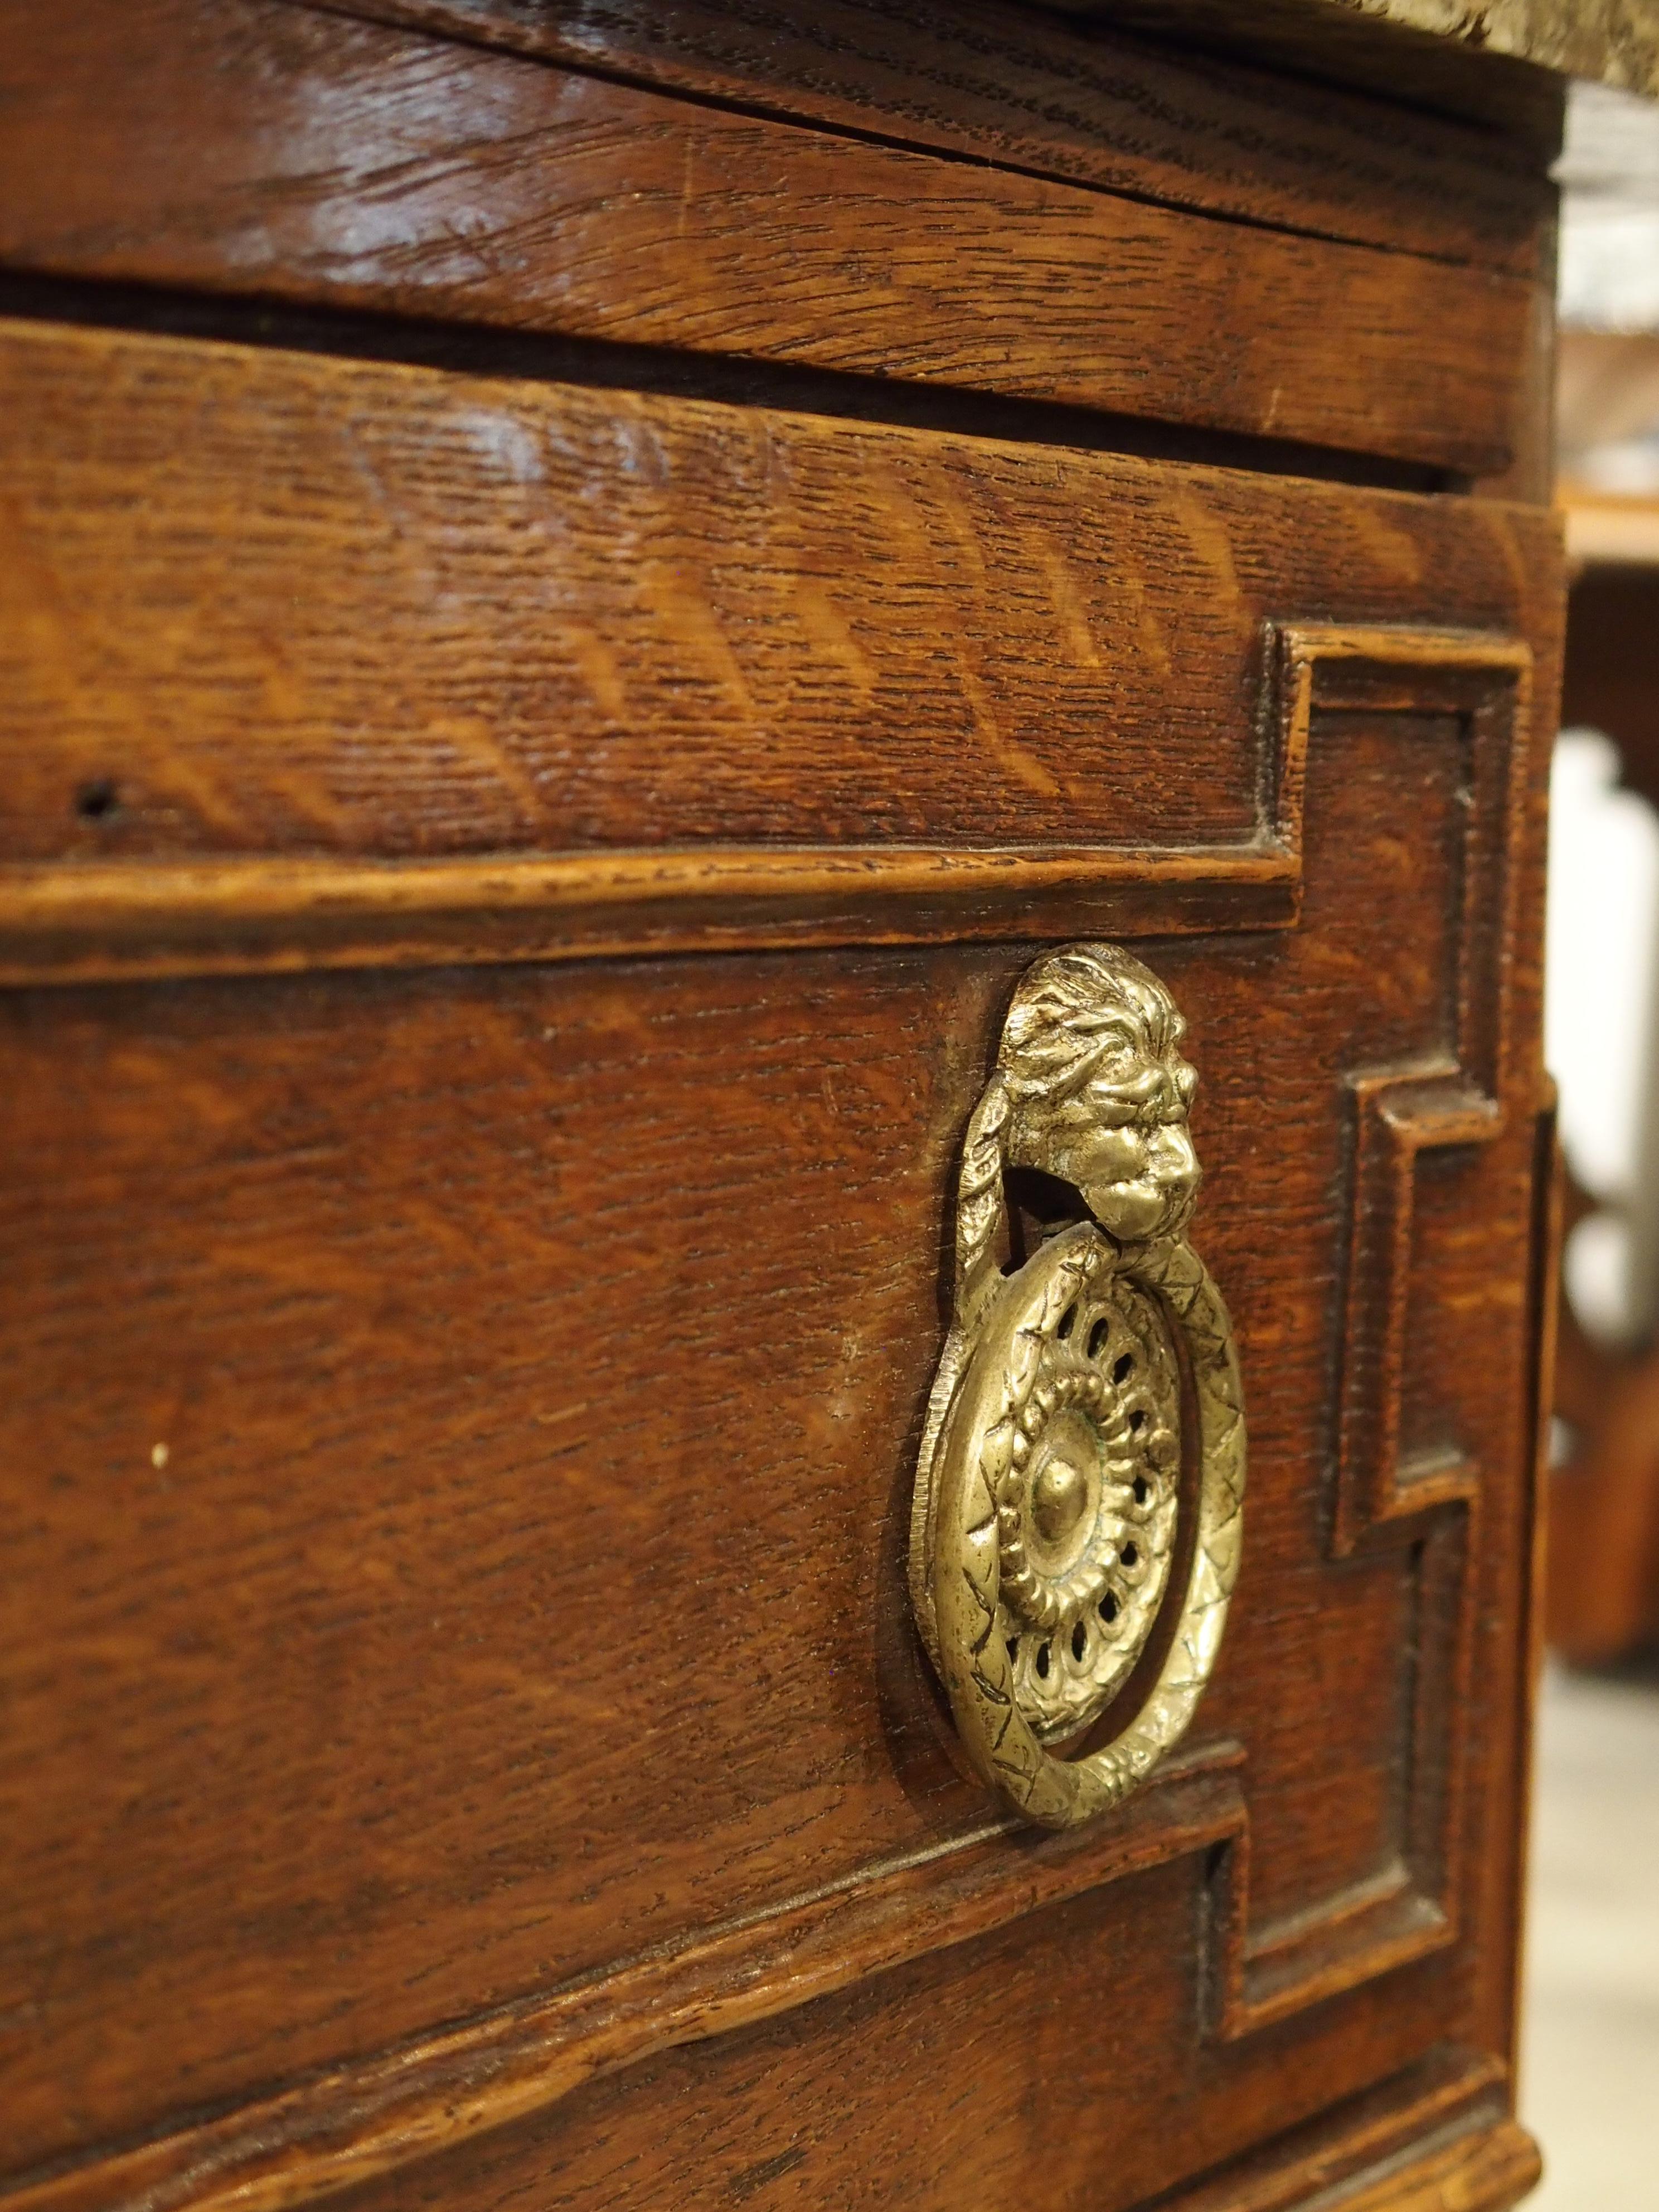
1047	1487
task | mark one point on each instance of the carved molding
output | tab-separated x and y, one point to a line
81	921
78	921
379	2114
375	2115
1426	1505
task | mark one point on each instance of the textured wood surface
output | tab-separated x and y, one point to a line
463	1739
1436	2139
1482	2171
450	2090
269	604
434	180
414	1278
1005	83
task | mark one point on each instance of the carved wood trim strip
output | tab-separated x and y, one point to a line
1427	1503
64	921
376	2115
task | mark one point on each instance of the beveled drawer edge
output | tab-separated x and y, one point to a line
1484	2168
72	921
1438	2137
371	2116
1453	2147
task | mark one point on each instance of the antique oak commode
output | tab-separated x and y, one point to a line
696	694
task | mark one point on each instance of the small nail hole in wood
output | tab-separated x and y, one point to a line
97	800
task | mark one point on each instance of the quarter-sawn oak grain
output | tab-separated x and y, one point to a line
270	603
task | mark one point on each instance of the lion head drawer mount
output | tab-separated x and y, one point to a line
1050	1516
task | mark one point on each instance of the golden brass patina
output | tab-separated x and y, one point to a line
1047	1494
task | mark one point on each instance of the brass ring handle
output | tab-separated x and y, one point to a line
1045	1522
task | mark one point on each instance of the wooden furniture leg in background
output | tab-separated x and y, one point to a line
1602	1589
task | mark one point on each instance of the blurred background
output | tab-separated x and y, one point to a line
1590	2053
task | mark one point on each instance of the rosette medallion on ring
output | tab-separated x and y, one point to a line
1086	1511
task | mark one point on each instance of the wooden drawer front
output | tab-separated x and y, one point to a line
364	167
382	662
461	1702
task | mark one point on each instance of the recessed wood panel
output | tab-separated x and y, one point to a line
1060	2047
462	1431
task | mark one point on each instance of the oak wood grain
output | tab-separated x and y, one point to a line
755	2119
1486	2170
444	1294
462	1738
1166	121
439	2096
440	181
379	613
1441	2122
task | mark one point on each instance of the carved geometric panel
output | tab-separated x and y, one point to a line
1423	1503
